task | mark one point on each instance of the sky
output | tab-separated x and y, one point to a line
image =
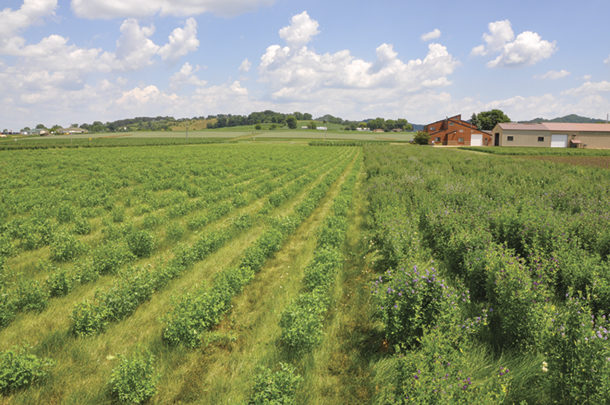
76	61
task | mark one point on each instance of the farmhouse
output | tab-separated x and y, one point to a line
552	134
455	131
74	130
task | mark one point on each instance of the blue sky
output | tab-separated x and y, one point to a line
75	61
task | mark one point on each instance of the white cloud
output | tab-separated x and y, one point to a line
96	9
181	41
245	66
607	60
527	48
434	34
300	31
553	75
186	77
587	78
134	48
589	88
31	12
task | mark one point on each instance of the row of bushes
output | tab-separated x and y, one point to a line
199	311
302	320
138	285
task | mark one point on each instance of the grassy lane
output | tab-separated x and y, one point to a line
339	371
222	372
92	358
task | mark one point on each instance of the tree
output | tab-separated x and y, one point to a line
475	121
312	125
258	127
487	120
307	117
291	121
40	126
421	138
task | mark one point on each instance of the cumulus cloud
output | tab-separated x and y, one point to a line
607	60
134	48
300	31
181	41
245	66
553	75
186	77
527	48
434	34
31	12
96	9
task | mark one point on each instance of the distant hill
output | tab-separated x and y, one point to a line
573	118
418	127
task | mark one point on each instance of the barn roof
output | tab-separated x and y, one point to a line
555	126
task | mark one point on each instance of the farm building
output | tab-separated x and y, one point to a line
552	134
455	131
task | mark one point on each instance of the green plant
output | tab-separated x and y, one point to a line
133	380
141	243
275	387
65	247
421	138
19	370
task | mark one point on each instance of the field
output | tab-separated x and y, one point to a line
254	272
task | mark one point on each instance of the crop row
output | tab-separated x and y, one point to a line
302	320
528	243
113	254
138	285
203	309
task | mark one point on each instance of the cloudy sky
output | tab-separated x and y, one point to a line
75	61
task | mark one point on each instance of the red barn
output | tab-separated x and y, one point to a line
455	131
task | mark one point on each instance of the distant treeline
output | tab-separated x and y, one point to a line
167	123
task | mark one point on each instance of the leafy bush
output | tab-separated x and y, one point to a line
277	387
65	247
65	213
19	370
578	356
82	226
410	300
175	231
421	138
31	296
7	309
109	257
141	243
134	380
301	322
59	283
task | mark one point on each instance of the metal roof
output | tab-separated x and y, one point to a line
555	126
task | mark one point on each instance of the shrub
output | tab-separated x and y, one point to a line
421	138
82	226
118	214
59	283
7	309
134	380
577	350
65	213
141	243
301	322
65	247
277	387
31	296
19	370
410	300
108	258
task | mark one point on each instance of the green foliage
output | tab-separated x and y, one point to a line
59	283
109	257
133	380
487	120
140	243
175	231
291	122
31	296
275	387
578	362
19	370
82	226
65	247
421	138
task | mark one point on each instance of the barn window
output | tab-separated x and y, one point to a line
541	139
509	138
461	130
438	139
460	139
451	123
431	128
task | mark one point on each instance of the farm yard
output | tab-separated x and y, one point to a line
253	272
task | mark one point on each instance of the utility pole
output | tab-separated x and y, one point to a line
186	124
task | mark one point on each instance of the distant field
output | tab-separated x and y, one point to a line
499	150
195	137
